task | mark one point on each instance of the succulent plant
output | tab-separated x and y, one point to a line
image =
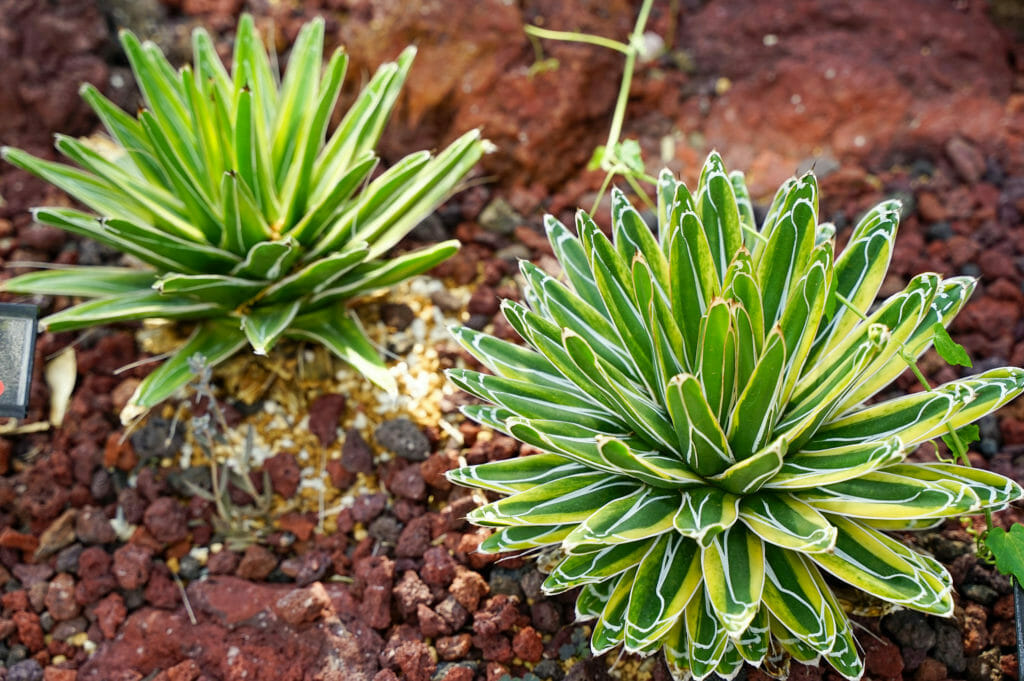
710	457
249	218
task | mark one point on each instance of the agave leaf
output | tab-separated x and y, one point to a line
653	468
268	260
593	597
644	514
745	207
921	416
184	179
215	340
950	298
251	67
566	500
858	274
522	537
570	311
529	400
742	288
749	475
667	338
756	410
371	276
706	638
167	211
731	662
883	494
574	262
675	647
622	454
614	281
297	184
222	290
609	629
666	579
789	246
508	359
805	470
633	237
213	156
341	334
298	88
128	307
487	415
754	642
796	594
702	443
716	347
635	407
719	214
577	570
803	312
695	283
883	567
785	521
244	225
362	125
315	276
81	282
430	186
992	489
128	133
331	205
705	512
208	66
251	158
510	476
263	325
733	566
792	645
844	657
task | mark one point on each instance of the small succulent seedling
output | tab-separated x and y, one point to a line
251	220
709	455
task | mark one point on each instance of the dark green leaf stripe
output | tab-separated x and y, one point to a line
666	579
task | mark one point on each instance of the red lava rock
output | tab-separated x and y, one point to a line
545	616
484	301
431	624
408	483
468	588
1009	665
58	674
434	468
93	562
493	647
257	562
184	671
453	647
161	591
458	673
385	675
498	615
300	606
110	613
527	645
166	520
968	161
298	524
324	415
15	600
133	505
975	631
376	573
438	567
131	566
410	592
881	658
29	631
59	534
341	477
60	598
355	452
368	506
997	264
12	539
494	671
452	613
119	454
30	575
285	474
414	540
93	527
413	658
931	670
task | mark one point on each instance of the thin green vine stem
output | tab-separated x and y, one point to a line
635	39
574	37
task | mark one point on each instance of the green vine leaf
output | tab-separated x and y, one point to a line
949	349
966	435
1008	549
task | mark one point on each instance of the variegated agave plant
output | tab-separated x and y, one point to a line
708	453
251	220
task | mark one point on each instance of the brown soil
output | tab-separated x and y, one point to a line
915	99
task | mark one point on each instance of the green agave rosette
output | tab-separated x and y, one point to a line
251	219
708	456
